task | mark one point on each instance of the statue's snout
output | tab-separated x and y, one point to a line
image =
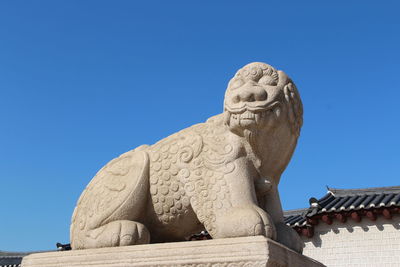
249	96
249	92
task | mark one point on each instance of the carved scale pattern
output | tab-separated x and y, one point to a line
187	169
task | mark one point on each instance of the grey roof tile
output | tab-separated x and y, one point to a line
348	203
386	201
339	205
376	200
331	204
338	200
395	201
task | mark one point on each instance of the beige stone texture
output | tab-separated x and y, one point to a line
229	252
221	175
351	244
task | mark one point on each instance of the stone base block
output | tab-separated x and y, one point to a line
243	251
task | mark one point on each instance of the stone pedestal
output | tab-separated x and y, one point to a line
244	251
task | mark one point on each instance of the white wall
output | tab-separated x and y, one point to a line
367	243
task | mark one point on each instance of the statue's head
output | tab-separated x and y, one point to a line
263	105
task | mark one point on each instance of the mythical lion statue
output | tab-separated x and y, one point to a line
221	175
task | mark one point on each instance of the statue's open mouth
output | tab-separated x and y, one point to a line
251	108
250	115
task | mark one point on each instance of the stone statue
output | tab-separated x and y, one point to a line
221	175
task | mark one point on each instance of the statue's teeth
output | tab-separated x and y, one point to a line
247	115
257	117
277	111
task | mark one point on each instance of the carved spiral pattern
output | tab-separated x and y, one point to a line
256	72
187	171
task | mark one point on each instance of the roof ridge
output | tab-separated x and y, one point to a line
294	210
371	190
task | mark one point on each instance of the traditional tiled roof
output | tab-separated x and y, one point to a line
11	259
295	217
341	204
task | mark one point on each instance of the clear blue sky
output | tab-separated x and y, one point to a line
84	81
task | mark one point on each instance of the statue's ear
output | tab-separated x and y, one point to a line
295	111
283	78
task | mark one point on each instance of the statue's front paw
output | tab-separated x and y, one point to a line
268	225
288	237
240	222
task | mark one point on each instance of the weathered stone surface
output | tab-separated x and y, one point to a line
221	175
243	251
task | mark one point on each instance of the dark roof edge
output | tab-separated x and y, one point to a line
371	190
294	212
5	254
13	254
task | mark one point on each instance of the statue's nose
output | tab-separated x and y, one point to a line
249	93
